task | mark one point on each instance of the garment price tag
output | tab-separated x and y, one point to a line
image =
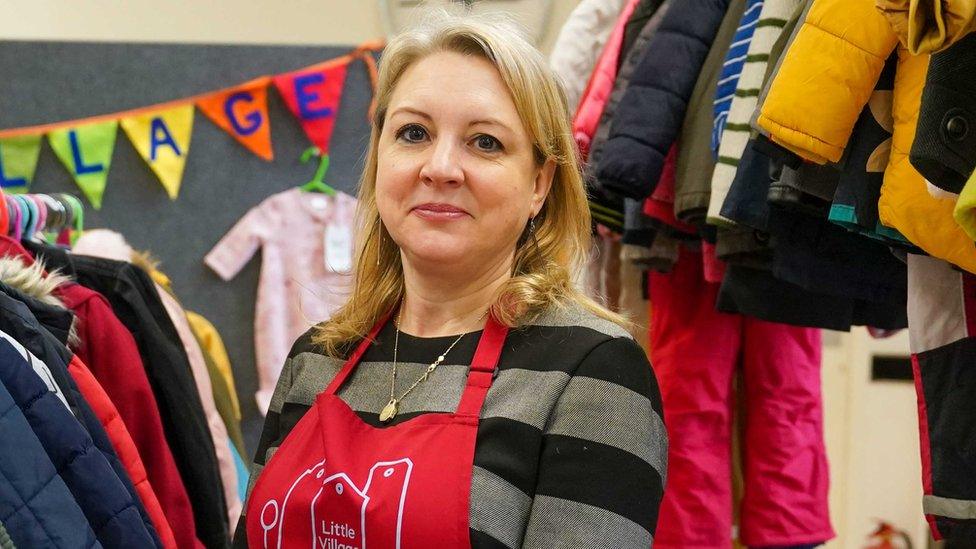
338	248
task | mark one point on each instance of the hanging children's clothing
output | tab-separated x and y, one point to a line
306	245
942	330
580	41
105	345
133	297
41	491
695	352
80	448
111	245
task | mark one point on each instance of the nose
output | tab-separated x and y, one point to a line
443	166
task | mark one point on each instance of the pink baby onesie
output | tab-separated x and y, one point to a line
297	232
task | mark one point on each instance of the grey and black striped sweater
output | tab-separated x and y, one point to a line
571	450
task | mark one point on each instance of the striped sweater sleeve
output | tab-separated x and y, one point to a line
604	456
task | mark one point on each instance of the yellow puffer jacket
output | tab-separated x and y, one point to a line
826	78
921	212
924	26
818	93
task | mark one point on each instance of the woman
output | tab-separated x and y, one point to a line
467	394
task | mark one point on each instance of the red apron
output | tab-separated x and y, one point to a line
338	483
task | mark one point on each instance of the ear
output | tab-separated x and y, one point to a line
543	183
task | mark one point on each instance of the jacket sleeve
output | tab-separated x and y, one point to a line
829	70
944	150
122	442
649	117
926	26
604	456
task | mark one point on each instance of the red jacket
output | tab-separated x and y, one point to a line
108	416
111	351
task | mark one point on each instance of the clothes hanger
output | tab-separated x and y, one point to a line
41	211
33	216
317	184
26	216
79	217
17	217
12	213
4	214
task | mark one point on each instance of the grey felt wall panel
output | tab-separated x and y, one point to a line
53	81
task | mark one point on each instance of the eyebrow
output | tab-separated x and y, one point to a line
411	110
491	122
483	121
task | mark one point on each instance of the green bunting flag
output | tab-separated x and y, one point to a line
18	160
86	151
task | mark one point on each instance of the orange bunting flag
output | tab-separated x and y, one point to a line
313	95
243	113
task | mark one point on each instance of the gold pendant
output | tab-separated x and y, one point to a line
389	412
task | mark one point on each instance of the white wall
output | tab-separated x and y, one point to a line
327	22
871	430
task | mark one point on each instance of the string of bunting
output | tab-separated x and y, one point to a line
161	132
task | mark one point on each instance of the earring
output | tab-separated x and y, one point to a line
535	241
379	244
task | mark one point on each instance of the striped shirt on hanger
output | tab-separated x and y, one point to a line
735	59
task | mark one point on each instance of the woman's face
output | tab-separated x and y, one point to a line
456	179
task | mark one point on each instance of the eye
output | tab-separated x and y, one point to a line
412	133
488	143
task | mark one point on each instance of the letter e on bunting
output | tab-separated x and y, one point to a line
162	138
86	151
243	113
18	161
312	94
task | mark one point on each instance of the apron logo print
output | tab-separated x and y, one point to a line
340	513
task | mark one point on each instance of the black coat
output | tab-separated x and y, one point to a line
944	150
649	118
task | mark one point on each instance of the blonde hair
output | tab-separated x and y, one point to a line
543	264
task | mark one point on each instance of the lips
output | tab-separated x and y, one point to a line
436	211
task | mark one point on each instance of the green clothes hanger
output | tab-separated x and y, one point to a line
317	184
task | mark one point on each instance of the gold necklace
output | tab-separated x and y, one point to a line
390	410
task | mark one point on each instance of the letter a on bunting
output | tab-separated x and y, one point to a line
313	95
163	140
18	160
243	113
86	151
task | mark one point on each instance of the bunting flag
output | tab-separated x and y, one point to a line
161	133
163	140
86	151
18	160
313	95
243	113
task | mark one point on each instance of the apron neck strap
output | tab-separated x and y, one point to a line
482	371
480	375
355	357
